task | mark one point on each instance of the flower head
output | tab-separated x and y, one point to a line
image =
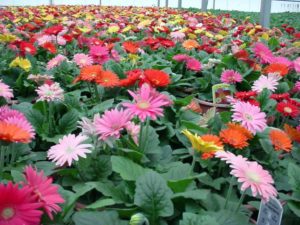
288	109
99	54
277	68
50	92
17	206
82	60
157	78
231	77
297	65
234	138
280	140
269	82
107	79
148	103
43	190
263	52
249	116
69	149
56	61
22	63
293	133
190	44
5	91
193	64
111	123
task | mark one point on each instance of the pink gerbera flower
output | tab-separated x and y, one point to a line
250	174
6	112
21	123
82	60
69	148
111	123
56	61
99	54
177	36
297	64
297	87
43	190
231	77
263	52
50	92
181	57
134	131
148	103
282	60
269	82
17	206
250	116
193	64
5	91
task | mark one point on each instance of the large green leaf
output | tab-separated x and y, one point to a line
194	219
153	196
199	194
293	173
127	169
68	122
101	203
98	218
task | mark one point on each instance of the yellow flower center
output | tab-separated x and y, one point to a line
287	109
143	105
7	213
247	116
254	177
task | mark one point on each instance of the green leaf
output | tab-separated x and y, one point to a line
153	196
198	194
17	176
101	107
68	122
127	169
293	173
97	218
295	207
116	68
226	217
194	219
101	203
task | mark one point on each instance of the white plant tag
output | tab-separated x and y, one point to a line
270	213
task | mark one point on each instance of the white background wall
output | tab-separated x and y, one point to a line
243	5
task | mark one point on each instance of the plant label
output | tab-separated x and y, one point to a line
220	92
270	213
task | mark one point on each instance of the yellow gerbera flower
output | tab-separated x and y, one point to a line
22	63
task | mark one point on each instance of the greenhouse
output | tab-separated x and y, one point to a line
158	112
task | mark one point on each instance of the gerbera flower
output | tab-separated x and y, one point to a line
213	139
157	78
111	123
283	60
280	97
90	73
199	144
5	91
231	77
269	82
87	126
132	77
69	149
177	36
263	52
280	140
297	65
56	61
245	95
99	54
249	116
181	57
297	87
6	112
17	206
82	60
107	79
287	109
241	129
50	92
27	47
234	138
148	103
293	133
13	133
54	30
49	47
190	44
39	78
250	174
22	63
133	130
43	190
22	123
277	68
193	64
130	47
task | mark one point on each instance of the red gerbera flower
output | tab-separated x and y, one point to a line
54	30
26	47
280	97
50	47
157	78
130	47
132	77
242	55
287	109
279	68
107	79
245	95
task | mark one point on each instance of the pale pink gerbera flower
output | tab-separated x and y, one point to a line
111	123
263	52
193	64
82	60
177	36
44	39
134	131
148	103
231	77
69	148
99	54
269	82
297	64
250	174
43	190
56	61
250	116
87	126
50	92
5	91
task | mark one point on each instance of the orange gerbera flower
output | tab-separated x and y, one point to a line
214	139
190	44
280	140
293	133
279	68
90	73
157	78
241	129
13	133
130	47
108	79
234	138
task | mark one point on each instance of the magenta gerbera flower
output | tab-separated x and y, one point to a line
263	52
148	103
5	91
6	112
250	116
99	54
17	206
69	149
111	123
193	64
83	60
44	191
231	77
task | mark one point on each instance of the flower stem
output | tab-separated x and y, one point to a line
2	158
193	164
51	118
229	192
144	134
97	96
240	201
